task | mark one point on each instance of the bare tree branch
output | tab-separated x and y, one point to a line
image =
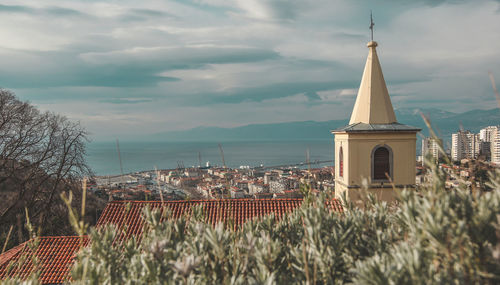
41	155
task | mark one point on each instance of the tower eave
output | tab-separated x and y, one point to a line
368	128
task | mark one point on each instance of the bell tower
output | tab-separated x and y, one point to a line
374	147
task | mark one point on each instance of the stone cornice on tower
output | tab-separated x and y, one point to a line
373	104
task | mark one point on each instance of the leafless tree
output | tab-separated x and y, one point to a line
41	155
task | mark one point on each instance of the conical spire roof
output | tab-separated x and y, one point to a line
373	104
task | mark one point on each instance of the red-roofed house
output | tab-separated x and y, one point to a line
56	254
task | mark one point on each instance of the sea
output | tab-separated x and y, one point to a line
102	156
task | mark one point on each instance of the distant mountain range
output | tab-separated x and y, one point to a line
445	123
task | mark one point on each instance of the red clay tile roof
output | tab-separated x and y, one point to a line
6	256
55	257
128	214
56	254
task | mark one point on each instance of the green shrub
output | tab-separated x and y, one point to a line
433	235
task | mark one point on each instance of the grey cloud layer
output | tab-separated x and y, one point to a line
137	67
198	62
51	10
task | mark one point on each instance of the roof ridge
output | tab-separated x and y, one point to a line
54	237
7	255
202	200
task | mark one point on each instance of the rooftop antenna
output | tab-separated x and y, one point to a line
371	24
119	156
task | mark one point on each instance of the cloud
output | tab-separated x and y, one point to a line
60	11
272	9
15	9
131	66
127	100
140	15
268	10
50	10
74	72
273	91
312	96
349	36
149	12
134	67
348	92
179	57
439	2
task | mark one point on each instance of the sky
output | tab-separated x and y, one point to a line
143	67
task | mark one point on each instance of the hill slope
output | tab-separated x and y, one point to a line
445	123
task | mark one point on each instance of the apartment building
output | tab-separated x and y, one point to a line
495	146
490	138
431	146
465	144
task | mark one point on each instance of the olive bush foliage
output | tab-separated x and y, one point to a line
432	235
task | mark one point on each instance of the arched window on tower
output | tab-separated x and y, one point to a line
381	163
341	162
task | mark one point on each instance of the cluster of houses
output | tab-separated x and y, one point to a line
137	186
257	183
212	183
471	173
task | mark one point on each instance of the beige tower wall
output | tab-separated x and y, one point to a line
358	147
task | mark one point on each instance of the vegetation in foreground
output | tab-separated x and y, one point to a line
433	236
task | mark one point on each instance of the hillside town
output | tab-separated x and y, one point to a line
259	183
474	155
213	183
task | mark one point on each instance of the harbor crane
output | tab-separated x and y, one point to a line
180	165
308	159
119	156
222	155
226	186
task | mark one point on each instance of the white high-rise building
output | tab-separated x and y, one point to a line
490	138
495	145
475	145
485	134
457	146
431	145
465	144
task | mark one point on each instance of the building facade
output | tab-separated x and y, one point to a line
465	145
431	146
490	143
495	145
487	133
374	153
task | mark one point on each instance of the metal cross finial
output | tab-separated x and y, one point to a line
371	23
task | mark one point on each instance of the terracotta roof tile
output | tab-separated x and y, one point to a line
6	256
56	254
55	257
127	215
